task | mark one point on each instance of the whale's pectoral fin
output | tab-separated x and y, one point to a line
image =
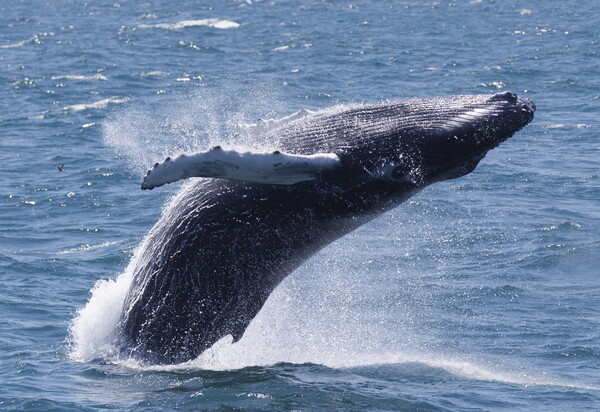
268	168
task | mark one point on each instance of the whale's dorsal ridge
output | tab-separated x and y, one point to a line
256	167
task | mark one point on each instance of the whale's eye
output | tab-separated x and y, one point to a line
404	173
399	173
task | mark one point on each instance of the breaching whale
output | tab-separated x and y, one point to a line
214	257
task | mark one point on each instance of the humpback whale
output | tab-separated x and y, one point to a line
229	238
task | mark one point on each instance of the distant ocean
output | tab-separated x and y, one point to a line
478	294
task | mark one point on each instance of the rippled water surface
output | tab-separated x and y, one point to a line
478	294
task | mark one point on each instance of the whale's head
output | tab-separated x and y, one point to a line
455	144
423	141
448	137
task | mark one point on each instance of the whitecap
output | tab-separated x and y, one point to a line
86	248
96	76
100	104
33	39
214	23
155	73
568	126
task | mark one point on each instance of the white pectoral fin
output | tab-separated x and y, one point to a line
268	168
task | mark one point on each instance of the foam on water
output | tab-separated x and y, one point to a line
35	39
79	107
154	73
91	332
86	247
100	104
96	76
569	126
213	23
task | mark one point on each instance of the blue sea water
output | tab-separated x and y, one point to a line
478	294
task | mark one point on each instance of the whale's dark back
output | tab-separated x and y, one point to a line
220	249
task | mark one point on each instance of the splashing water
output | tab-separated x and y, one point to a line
148	132
303	321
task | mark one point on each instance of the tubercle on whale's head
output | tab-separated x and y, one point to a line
456	145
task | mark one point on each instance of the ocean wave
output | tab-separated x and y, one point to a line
226	355
96	76
214	23
100	104
35	39
154	73
86	248
569	126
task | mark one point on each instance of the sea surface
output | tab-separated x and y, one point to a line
478	294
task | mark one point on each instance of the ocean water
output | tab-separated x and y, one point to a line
478	294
